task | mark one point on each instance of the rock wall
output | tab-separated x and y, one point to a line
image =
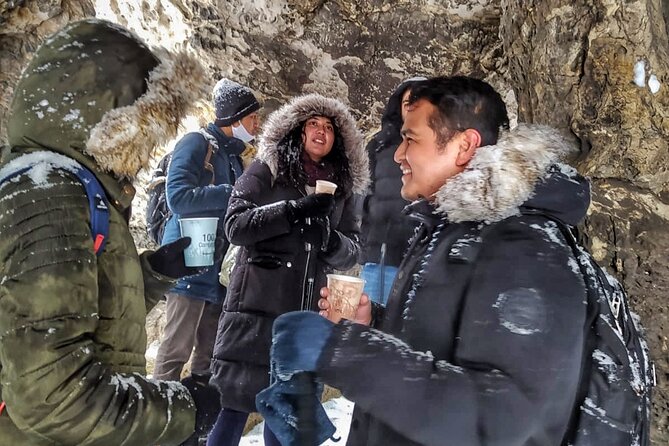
601	69
596	67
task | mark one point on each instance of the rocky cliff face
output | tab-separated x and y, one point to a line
598	68
602	70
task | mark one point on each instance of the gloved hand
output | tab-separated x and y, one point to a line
293	410
298	339
317	232
168	260
207	406
314	205
332	243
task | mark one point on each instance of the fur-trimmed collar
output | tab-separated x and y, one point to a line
299	109
124	140
501	177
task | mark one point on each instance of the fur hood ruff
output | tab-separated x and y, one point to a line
501	177
125	139
301	108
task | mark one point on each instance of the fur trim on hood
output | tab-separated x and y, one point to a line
124	140
501	177
298	110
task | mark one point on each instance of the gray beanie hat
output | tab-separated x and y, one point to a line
232	102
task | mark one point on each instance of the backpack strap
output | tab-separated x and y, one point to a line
212	148
207	162
97	202
99	208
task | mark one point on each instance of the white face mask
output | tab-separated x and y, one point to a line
240	132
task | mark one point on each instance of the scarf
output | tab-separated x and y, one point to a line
321	170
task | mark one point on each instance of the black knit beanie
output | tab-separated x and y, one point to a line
232	102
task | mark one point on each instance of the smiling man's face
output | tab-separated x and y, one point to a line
426	165
318	137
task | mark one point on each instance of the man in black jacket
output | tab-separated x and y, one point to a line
482	338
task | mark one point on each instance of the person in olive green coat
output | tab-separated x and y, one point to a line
72	324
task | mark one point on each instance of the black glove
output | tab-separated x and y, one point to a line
207	406
333	242
316	232
169	260
314	205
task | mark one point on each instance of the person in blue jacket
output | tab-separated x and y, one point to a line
197	187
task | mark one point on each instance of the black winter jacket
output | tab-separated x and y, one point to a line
482	338
273	268
382	217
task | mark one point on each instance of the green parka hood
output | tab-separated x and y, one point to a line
96	93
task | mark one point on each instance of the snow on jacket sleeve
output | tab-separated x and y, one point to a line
186	194
516	358
246	222
54	384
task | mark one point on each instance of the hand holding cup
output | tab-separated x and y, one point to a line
343	298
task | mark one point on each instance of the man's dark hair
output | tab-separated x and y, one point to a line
462	103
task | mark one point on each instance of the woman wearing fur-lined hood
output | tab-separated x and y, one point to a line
290	237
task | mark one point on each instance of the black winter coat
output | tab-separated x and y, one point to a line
382	217
277	258
482	338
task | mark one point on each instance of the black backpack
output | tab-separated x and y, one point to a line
613	406
157	210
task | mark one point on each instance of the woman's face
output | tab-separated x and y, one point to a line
318	137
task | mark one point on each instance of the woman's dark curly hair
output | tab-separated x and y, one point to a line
291	171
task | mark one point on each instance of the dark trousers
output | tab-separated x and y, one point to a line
229	428
191	328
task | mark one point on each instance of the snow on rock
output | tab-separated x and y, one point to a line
640	73
653	84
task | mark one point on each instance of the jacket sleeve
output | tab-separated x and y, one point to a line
54	386
516	360
185	195
247	222
348	231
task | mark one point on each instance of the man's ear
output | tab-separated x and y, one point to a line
470	140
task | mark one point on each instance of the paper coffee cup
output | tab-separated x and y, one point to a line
202	233
344	298
325	187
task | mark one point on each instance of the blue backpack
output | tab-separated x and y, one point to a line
97	201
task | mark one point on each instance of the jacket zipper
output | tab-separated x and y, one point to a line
307	282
